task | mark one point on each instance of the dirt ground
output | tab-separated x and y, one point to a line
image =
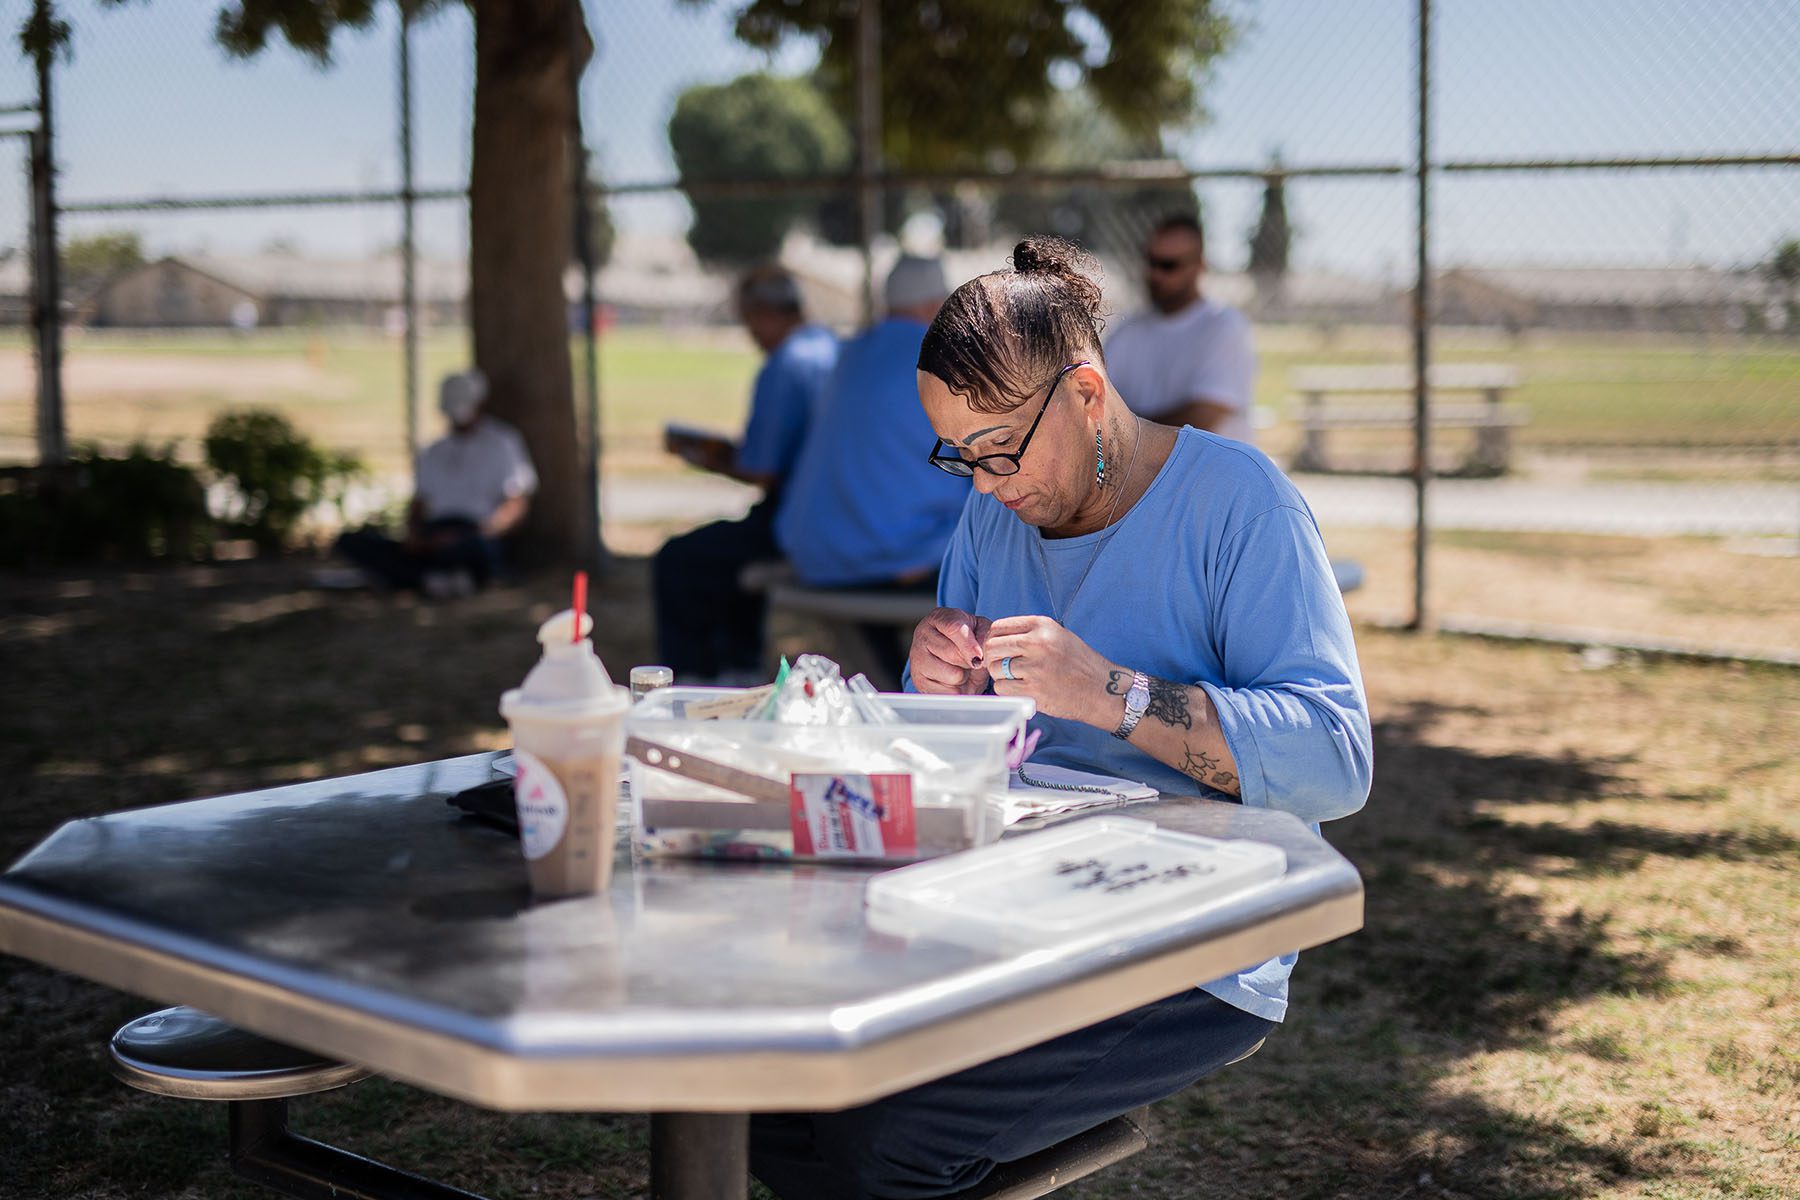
1580	974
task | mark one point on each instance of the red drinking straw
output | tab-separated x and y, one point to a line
580	605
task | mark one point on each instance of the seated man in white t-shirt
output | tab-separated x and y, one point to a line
472	487
1187	360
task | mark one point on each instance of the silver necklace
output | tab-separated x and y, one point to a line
1057	610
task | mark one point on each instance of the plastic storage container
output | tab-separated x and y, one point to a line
926	785
1093	876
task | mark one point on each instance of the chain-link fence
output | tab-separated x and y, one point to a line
1615	448
233	234
1615	389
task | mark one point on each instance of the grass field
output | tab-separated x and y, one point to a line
1589	397
344	386
1579	977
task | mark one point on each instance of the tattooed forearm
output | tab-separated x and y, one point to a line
1202	767
1118	682
1197	765
1169	704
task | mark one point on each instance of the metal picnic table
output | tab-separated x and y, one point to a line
362	919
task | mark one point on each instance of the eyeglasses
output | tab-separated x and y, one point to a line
1164	265
997	464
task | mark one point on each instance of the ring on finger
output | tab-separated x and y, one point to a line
1006	671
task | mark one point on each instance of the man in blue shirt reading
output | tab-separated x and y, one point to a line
864	509
708	629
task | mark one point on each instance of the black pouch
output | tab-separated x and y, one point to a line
490	803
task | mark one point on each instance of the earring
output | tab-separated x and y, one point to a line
1099	461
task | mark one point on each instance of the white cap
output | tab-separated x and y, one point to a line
915	281
461	394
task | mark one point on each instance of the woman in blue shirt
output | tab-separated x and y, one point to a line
1164	597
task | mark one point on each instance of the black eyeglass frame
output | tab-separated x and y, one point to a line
955	464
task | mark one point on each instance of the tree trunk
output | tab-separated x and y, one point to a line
528	54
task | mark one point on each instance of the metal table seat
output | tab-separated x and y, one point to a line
188	1054
185	1053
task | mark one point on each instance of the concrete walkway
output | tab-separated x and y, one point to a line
1633	509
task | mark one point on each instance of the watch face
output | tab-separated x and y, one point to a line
1138	696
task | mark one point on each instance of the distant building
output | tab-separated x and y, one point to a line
1602	299
657	280
203	291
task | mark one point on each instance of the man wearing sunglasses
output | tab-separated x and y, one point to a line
1187	360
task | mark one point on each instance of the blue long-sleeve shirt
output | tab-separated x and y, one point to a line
787	397
1217	576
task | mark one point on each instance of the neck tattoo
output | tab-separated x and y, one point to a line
1068	605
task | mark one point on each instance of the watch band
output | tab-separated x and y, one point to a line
1136	700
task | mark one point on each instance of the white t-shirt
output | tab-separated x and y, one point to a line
469	475
1203	352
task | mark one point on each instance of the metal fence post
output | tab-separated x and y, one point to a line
583	234
1421	322
409	290
46	291
868	127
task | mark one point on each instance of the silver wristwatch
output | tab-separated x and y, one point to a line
1136	700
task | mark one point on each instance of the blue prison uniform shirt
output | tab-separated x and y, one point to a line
1216	577
787	396
864	505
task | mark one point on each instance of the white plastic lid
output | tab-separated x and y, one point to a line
1084	877
569	681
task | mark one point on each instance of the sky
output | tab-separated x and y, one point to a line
150	106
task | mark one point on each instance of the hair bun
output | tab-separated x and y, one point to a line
1042	254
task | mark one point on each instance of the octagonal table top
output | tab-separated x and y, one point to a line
362	918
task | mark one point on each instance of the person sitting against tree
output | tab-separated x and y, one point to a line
708	628
472	487
1188	360
1163	597
863	509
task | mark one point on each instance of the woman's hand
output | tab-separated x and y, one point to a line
1063	674
946	653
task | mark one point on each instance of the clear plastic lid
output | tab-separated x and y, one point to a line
1087	876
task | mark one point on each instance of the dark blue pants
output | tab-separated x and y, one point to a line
705	623
947	1135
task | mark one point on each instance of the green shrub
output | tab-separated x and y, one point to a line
276	473
142	506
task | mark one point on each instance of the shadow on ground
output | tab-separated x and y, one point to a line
1361	1093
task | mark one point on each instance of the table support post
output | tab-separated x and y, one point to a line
699	1156
264	1150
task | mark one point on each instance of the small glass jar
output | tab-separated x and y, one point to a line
645	680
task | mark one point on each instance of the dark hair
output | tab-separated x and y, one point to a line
1002	336
1187	222
769	286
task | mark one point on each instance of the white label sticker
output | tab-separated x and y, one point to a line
543	806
